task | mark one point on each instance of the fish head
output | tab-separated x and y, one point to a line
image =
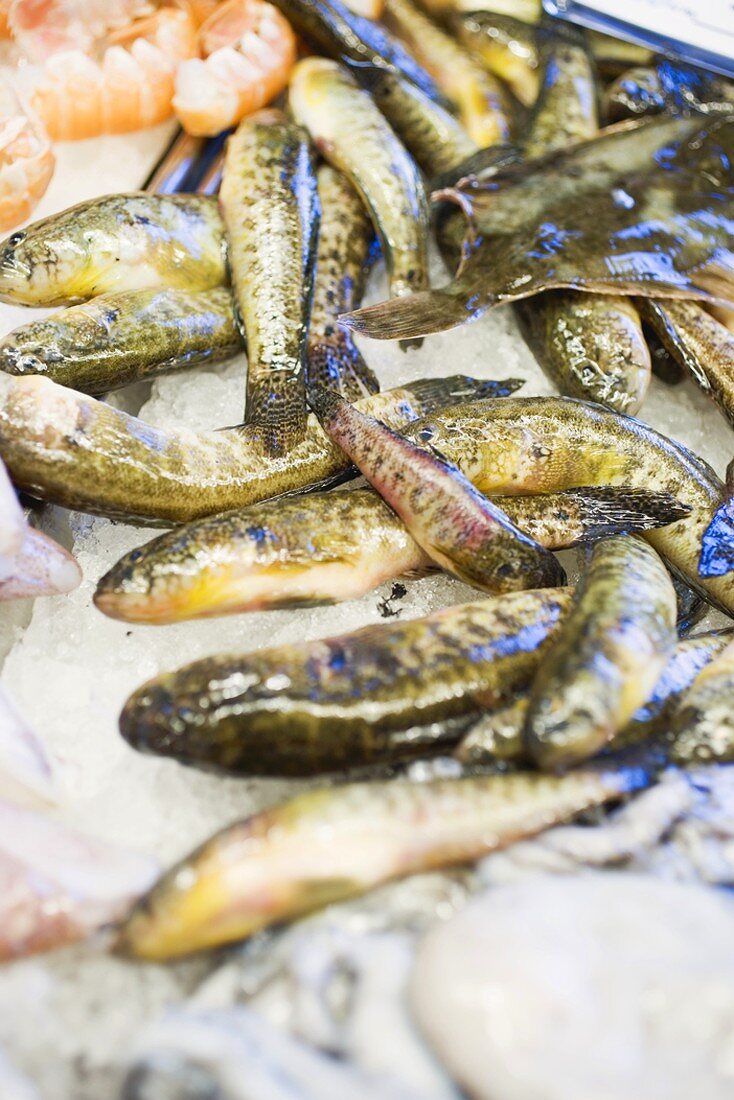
17	262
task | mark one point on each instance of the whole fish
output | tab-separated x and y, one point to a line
700	343
497	737
117	339
345	252
334	843
611	651
455	525
115	243
270	206
505	45
350	700
432	135
479	98
26	771
82	453
58	885
596	217
354	136
543	444
703	726
333	29
325	547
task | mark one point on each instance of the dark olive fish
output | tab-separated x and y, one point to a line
670	85
270	204
325	547
82	453
346	247
611	651
334	843
115	243
460	530
644	209
116	339
346	701
566	109
505	45
703	726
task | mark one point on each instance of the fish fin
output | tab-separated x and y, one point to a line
420	314
717	544
276	412
607	510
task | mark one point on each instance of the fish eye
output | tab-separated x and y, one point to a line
15	239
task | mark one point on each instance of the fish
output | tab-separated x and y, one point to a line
114	243
353	135
116	339
28	775
566	109
176	166
691	606
611	651
543	444
506	46
703	725
431	134
346	249
377	695
460	530
334	843
58	885
325	547
82	453
497	737
643	209
669	85
271	211
717	542
481	102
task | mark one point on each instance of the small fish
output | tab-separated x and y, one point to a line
506	46
116	339
703	726
270	205
324	547
115	243
481	102
82	453
59	886
40	568
350	700
26	771
717	543
432	135
543	444
346	248
458	528
354	136
643	209
335	843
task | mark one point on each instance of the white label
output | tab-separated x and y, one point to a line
704	24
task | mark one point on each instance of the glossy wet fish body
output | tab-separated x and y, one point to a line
691	605
542	444
346	247
117	339
115	243
325	547
566	110
345	701
84	454
458	528
505	45
353	135
703	726
271	212
613	646
671	86
596	217
335	843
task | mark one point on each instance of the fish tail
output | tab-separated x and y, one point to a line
605	510
276	411
456	389
337	364
420	314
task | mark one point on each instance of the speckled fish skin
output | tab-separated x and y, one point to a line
496	739
345	701
432	135
479	98
346	248
355	138
271	211
82	453
325	547
285	862
703	726
566	110
505	45
458	528
671	86
613	646
543	444
115	243
117	339
577	219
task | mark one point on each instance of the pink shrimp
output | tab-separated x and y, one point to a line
44	27
129	88
250	50
26	159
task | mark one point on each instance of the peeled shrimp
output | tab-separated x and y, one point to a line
129	88
44	27
249	51
26	160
